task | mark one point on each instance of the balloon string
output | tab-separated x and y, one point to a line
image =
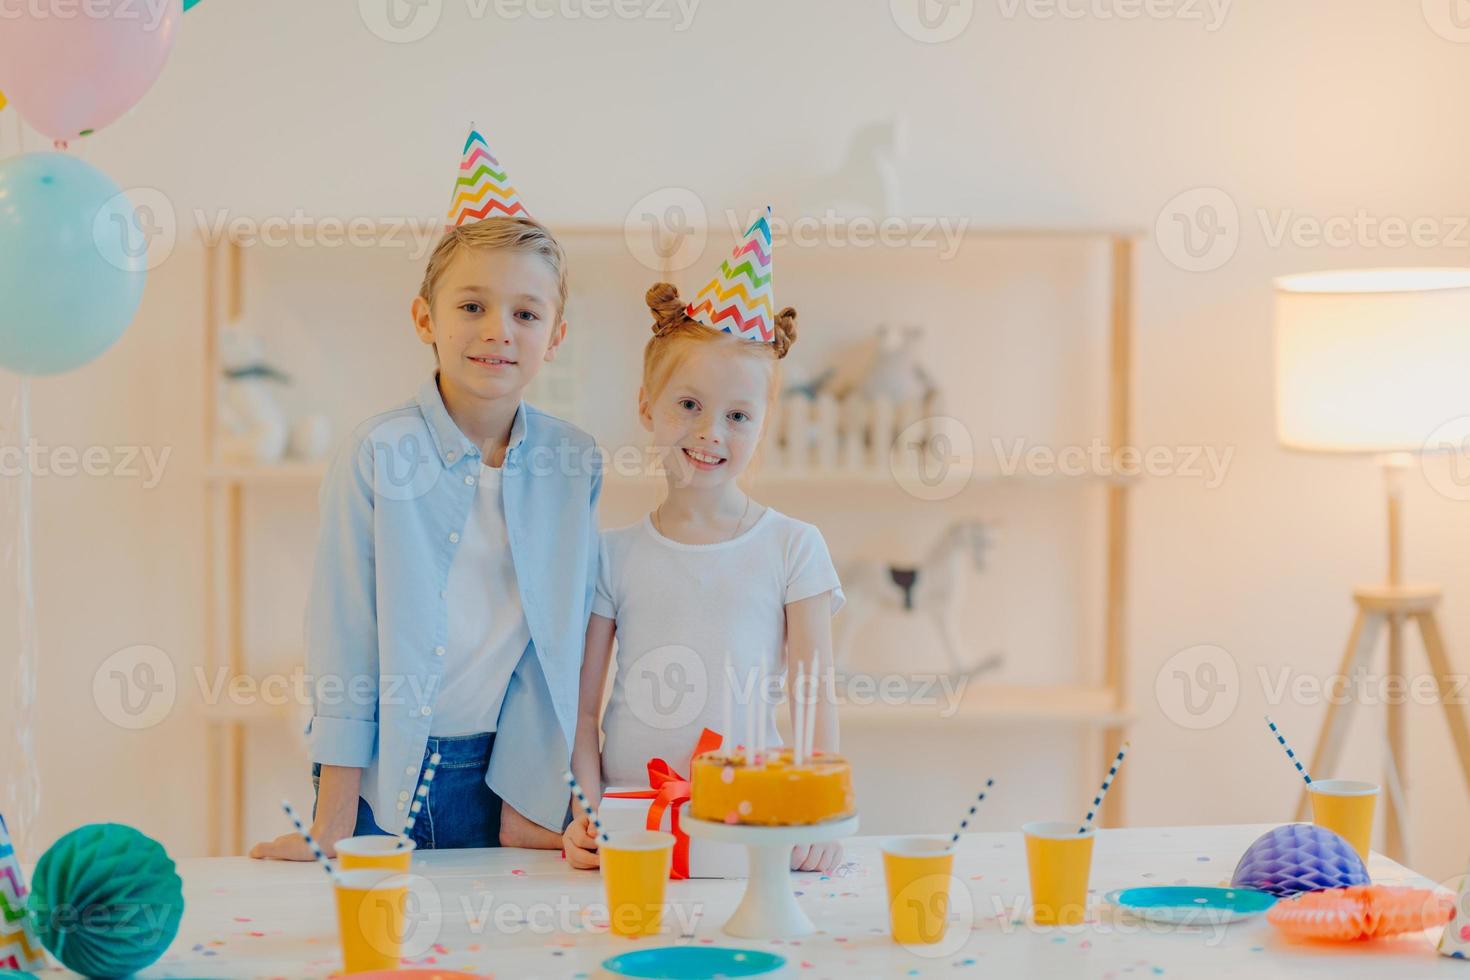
28	798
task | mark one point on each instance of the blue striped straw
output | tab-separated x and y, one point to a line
955	839
582	800
1107	784
1289	753
310	841
420	795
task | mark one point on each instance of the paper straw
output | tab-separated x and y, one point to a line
809	736
798	717
1289	753
1106	785
965	821
310	841
582	799
420	795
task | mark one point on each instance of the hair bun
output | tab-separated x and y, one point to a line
667	308
785	331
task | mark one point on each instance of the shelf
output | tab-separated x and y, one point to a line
305	474
267	474
256	712
997	703
972	229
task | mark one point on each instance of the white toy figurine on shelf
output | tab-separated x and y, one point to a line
253	426
935	589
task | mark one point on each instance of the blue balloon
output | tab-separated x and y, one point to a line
72	262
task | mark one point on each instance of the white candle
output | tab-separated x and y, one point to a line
750	728
798	715
810	720
727	736
760	716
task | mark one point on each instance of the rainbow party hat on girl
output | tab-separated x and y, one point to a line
739	299
483	188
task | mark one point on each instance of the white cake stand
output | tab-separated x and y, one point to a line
768	909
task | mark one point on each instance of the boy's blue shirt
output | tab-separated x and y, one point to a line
393	505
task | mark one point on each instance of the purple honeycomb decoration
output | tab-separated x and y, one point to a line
1299	857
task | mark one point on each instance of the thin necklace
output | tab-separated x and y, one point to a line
658	525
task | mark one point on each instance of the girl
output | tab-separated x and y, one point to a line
455	567
710	573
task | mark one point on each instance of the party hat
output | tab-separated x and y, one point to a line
19	947
483	188
739	299
1455	941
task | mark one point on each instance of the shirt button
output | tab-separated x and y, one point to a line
403	795
453	537
410	771
449	455
400	806
469	481
424	710
438	651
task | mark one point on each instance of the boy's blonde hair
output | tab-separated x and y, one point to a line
675	333
519	234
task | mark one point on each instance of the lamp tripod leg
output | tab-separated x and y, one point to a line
1334	727
1396	778
1451	698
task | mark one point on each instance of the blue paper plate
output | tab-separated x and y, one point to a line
1186	905
689	962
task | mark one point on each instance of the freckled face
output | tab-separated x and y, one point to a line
707	420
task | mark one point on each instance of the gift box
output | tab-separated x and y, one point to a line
662	805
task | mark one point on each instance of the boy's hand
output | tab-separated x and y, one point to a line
292	846
816	857
580	844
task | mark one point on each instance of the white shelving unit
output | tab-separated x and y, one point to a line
1102	707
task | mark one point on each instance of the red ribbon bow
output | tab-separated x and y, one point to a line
669	789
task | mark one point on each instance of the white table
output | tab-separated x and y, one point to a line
520	913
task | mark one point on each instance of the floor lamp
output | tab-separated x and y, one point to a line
1375	362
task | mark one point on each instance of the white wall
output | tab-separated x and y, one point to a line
1318	108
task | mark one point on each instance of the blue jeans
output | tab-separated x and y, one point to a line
461	811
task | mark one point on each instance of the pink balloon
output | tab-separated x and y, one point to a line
73	66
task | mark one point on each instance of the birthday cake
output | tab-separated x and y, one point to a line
775	791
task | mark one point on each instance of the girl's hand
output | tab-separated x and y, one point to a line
816	857
292	846
579	843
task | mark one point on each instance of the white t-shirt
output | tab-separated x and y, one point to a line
680	609
487	626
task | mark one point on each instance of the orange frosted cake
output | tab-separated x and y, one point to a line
777	793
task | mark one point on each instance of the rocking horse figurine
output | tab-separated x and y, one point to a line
934	589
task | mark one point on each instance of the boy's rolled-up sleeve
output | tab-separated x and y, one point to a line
341	616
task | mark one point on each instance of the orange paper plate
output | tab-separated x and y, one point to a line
1361	912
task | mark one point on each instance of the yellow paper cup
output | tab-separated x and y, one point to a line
370	918
917	871
375	851
1345	806
1059	862
635	866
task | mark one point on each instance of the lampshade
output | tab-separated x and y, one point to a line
1371	360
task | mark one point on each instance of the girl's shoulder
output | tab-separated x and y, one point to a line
790	530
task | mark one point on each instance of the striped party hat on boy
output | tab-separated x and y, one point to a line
739	299
483	189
